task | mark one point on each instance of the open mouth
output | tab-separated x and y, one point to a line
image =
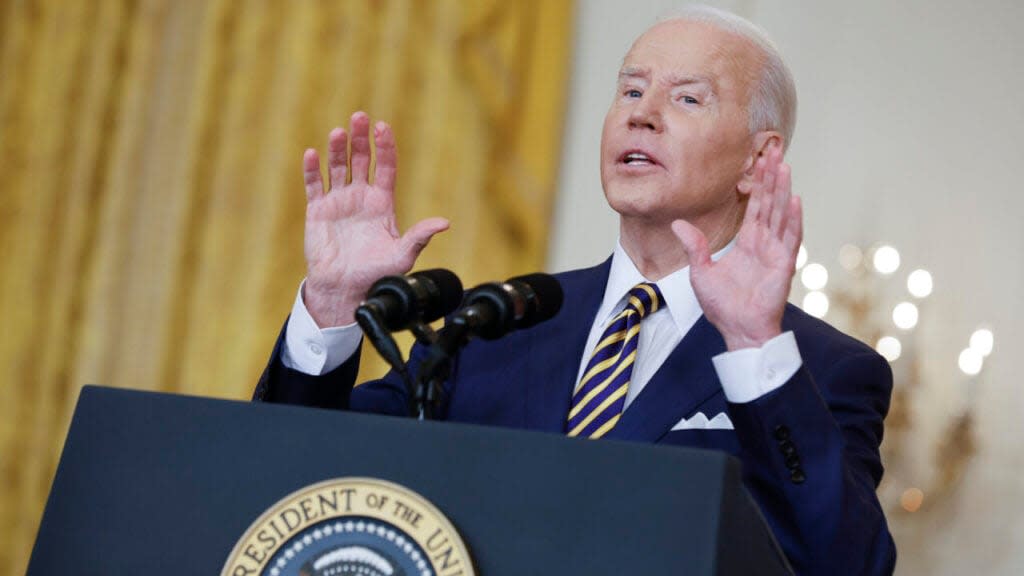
637	158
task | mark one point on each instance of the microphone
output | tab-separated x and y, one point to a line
401	301
489	311
492	310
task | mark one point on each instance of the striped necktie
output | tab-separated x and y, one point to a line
600	396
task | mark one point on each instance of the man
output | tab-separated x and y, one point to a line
683	337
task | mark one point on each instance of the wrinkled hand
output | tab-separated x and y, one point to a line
744	293
352	238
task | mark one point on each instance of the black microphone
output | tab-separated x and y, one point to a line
400	301
489	311
492	310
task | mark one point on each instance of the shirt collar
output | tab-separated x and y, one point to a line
675	288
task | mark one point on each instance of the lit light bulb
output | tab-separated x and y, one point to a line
982	341
816	304
889	347
886	260
801	257
814	276
911	499
904	315
850	257
919	283
970	361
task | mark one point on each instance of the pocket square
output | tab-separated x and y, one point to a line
700	422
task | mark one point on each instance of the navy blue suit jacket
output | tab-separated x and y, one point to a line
809	448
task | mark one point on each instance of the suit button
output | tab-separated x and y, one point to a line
781	432
797	476
793	462
787	448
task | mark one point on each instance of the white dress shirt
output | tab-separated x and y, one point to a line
745	375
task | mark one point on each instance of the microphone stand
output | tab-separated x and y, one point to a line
423	393
437	366
381	339
489	311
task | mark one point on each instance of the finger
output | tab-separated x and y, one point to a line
794	227
694	243
780	210
387	157
360	129
311	175
337	158
418	236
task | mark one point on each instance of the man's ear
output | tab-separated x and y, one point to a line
763	143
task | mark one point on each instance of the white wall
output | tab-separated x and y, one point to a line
909	132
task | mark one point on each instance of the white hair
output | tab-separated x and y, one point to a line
773	102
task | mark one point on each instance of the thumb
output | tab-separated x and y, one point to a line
694	243
419	234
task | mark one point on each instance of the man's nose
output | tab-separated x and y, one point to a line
645	114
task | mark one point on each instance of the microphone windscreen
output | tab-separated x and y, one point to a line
546	301
445	292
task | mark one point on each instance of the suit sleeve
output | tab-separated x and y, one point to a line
814	465
335	389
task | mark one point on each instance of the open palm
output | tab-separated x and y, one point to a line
744	293
352	237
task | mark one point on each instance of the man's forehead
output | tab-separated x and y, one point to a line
682	49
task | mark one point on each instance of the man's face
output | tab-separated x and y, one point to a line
676	139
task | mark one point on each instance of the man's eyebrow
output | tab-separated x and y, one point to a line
687	79
672	79
633	72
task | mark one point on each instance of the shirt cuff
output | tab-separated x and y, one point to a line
312	350
750	373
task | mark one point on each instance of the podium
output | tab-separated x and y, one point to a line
167	484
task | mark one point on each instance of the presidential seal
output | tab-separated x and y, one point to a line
350	526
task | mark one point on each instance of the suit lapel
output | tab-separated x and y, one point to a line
556	347
685	381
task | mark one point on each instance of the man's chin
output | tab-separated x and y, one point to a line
633	202
643	214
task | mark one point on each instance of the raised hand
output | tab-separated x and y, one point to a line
352	238
744	293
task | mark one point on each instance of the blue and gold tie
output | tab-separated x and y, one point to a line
600	396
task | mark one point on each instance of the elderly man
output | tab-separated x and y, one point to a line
682	337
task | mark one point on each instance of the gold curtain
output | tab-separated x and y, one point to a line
151	201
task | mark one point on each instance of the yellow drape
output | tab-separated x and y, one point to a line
151	201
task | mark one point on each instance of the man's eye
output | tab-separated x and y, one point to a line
690	100
633	93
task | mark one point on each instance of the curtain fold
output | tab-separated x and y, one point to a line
151	199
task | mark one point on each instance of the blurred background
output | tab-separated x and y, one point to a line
151	203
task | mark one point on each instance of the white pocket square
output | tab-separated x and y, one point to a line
700	422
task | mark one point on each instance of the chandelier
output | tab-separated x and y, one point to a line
928	443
